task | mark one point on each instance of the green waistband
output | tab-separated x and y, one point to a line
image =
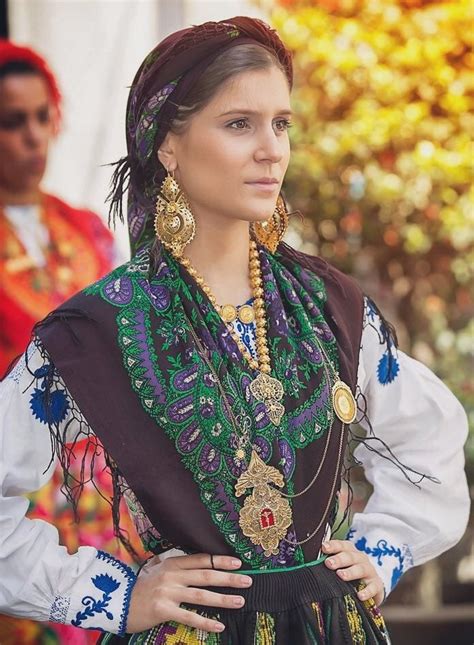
254	572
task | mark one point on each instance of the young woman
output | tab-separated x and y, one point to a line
220	370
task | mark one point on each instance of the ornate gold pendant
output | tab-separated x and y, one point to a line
265	515
270	391
174	222
343	402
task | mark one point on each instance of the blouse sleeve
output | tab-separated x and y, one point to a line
39	579
411	413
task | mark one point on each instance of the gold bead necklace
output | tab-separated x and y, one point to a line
264	387
262	363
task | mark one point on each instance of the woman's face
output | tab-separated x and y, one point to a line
232	157
25	131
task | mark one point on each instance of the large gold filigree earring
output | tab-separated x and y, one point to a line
174	222
271	232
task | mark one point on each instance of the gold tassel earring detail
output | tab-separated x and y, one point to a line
270	233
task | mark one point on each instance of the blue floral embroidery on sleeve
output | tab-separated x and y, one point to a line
387	369
48	406
388	366
382	550
130	582
93	606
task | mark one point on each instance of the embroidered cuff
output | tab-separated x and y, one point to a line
390	560
102	599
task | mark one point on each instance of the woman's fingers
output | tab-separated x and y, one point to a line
373	589
356	572
351	564
192	619
204	561
335	546
210	578
345	559
193	596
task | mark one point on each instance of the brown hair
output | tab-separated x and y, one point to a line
230	63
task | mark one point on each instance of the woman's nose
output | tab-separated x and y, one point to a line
36	133
270	147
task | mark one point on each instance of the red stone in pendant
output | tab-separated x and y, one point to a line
267	518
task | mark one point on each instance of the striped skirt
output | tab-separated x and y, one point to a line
300	606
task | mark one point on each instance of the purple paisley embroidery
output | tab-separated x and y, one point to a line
144	356
136	219
186	379
206	408
323	331
262	448
235	467
209	380
309	413
311	351
287	458
228	345
190	438
181	410
158	294
163	271
144	134
119	291
209	459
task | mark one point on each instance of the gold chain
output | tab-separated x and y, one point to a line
333	486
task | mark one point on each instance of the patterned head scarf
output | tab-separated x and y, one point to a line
12	53
162	82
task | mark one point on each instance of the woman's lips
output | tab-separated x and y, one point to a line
36	164
265	185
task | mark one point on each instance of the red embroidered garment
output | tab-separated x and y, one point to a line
79	252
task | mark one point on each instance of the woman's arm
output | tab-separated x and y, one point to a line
89	589
38	578
416	416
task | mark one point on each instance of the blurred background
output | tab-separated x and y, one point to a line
382	170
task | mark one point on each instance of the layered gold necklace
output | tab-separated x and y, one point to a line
266	513
264	387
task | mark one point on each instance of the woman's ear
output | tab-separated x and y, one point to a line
166	154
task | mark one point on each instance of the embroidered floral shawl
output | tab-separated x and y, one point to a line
130	362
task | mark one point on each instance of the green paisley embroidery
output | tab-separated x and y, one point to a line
179	389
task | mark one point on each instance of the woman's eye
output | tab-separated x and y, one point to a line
240	124
44	116
283	124
12	122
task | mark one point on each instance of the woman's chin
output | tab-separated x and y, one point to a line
259	213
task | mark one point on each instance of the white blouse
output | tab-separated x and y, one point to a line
403	524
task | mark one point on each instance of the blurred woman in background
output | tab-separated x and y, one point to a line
49	250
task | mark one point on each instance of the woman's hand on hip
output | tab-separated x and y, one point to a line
351	564
161	587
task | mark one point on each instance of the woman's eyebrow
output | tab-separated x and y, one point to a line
246	111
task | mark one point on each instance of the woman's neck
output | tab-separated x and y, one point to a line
221	256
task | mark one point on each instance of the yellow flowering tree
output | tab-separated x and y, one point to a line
382	160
